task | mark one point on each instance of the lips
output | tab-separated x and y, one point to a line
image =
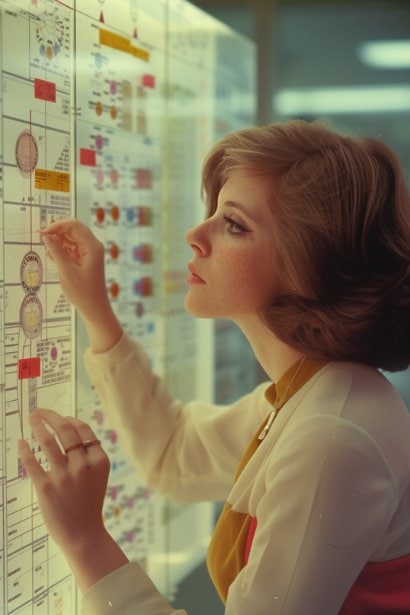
194	278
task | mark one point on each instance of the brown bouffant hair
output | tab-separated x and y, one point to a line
341	236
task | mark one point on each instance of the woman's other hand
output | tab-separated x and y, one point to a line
71	493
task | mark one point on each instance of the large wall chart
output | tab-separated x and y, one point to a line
106	110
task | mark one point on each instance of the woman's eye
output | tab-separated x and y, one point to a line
234	227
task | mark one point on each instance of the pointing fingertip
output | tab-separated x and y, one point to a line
35	415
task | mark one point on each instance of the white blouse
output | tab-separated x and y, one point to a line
329	485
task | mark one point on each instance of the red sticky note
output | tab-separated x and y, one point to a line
148	81
29	368
88	157
45	90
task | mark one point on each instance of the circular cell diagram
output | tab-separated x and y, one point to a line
31	315
31	272
26	152
50	36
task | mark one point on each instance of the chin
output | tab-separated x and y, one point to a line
195	308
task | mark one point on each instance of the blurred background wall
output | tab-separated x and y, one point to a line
348	61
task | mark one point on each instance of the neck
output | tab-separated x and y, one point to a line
274	356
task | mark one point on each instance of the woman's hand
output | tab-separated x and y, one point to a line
71	493
79	257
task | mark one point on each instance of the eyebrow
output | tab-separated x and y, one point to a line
241	207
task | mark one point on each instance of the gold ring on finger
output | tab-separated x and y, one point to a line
73	447
88	443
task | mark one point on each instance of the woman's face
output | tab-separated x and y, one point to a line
232	272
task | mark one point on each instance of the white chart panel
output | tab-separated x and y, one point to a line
37	340
107	108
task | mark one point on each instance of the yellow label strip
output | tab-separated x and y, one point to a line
51	180
122	43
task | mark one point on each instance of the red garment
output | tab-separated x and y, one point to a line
382	588
249	540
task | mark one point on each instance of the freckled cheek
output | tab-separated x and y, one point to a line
248	277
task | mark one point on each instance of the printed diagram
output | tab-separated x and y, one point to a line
31	272
117	139
31	310
118	160
50	35
26	152
37	327
49	38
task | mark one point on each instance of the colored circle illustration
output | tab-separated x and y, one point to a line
99	60
26	152
31	272
114	290
99	142
31	315
130	214
100	214
114	251
100	177
115	213
114	176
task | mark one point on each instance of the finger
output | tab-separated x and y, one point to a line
29	461
47	442
91	443
59	251
63	428
66	226
70	229
82	428
63	234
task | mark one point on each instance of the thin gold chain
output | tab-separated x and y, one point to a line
276	409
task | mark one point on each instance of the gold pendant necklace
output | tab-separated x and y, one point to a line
275	410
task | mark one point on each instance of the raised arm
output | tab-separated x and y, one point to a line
79	258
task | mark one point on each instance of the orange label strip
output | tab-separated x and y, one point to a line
121	43
51	180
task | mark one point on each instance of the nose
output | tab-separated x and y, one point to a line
196	238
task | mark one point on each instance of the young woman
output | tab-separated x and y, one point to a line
306	246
